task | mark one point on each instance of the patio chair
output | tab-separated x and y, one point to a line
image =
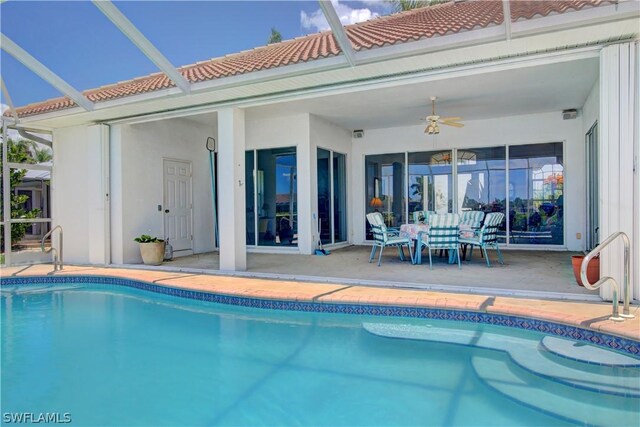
423	216
486	236
382	238
443	234
379	220
472	218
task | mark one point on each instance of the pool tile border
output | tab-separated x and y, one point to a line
625	345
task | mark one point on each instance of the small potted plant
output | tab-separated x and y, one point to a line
151	249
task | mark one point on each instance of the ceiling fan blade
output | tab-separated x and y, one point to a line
450	119
454	124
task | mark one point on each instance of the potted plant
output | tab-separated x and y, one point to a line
151	249
593	269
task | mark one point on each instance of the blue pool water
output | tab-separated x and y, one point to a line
118	356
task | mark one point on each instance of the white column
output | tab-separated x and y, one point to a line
618	116
98	195
306	159
231	190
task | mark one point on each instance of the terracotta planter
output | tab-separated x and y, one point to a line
593	269
152	253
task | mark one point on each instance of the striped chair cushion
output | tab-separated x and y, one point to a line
443	231
472	218
489	231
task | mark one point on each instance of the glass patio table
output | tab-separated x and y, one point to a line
416	230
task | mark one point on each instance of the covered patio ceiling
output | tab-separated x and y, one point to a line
518	91
512	92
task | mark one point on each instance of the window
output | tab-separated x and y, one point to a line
271	195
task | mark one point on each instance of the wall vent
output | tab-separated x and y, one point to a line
358	133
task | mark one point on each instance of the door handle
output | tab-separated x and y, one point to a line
166	211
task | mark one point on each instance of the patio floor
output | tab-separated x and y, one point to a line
524	272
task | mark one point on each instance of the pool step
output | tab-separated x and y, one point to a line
576	405
586	353
525	353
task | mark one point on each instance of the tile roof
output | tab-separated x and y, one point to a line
427	22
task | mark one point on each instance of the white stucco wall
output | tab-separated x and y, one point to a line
137	152
516	130
69	191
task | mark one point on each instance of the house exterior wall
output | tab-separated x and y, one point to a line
516	130
137	152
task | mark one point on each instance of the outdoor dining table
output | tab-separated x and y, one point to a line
415	232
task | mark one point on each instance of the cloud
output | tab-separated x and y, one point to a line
348	15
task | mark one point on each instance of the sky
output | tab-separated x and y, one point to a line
79	44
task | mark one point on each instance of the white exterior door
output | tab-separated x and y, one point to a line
178	208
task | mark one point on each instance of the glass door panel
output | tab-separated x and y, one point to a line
536	196
324	195
385	188
277	188
339	198
482	182
431	181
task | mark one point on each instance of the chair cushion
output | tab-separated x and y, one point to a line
397	241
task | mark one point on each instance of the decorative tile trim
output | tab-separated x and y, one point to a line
625	345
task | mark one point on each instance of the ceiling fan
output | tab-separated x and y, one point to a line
433	120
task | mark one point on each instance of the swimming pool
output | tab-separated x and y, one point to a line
107	354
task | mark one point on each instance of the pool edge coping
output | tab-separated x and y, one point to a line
579	332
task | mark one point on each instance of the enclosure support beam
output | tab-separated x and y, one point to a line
5	92
506	13
151	52
338	31
49	76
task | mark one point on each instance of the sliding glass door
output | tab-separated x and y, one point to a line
524	182
385	188
536	194
430	181
482	177
332	196
271	197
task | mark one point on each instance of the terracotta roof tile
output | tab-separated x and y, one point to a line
427	22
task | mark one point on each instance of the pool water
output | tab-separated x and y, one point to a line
118	356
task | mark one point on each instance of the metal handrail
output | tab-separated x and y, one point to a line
616	316
57	254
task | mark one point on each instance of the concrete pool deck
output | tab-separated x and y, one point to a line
589	315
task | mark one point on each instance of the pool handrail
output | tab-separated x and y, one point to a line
57	253
615	316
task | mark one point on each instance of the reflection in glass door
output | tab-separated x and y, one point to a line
332	196
536	196
271	197
431	181
385	188
481	175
